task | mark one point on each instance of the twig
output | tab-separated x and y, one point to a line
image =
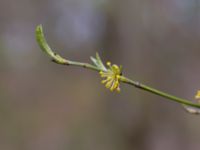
113	74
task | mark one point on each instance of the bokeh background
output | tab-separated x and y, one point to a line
44	106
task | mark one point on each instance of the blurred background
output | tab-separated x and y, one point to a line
45	106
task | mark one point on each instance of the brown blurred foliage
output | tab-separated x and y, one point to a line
44	106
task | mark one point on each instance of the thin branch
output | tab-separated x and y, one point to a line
98	66
160	93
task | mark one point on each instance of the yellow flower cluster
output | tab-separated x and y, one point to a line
112	75
197	96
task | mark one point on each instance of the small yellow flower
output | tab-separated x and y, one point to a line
112	75
197	96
